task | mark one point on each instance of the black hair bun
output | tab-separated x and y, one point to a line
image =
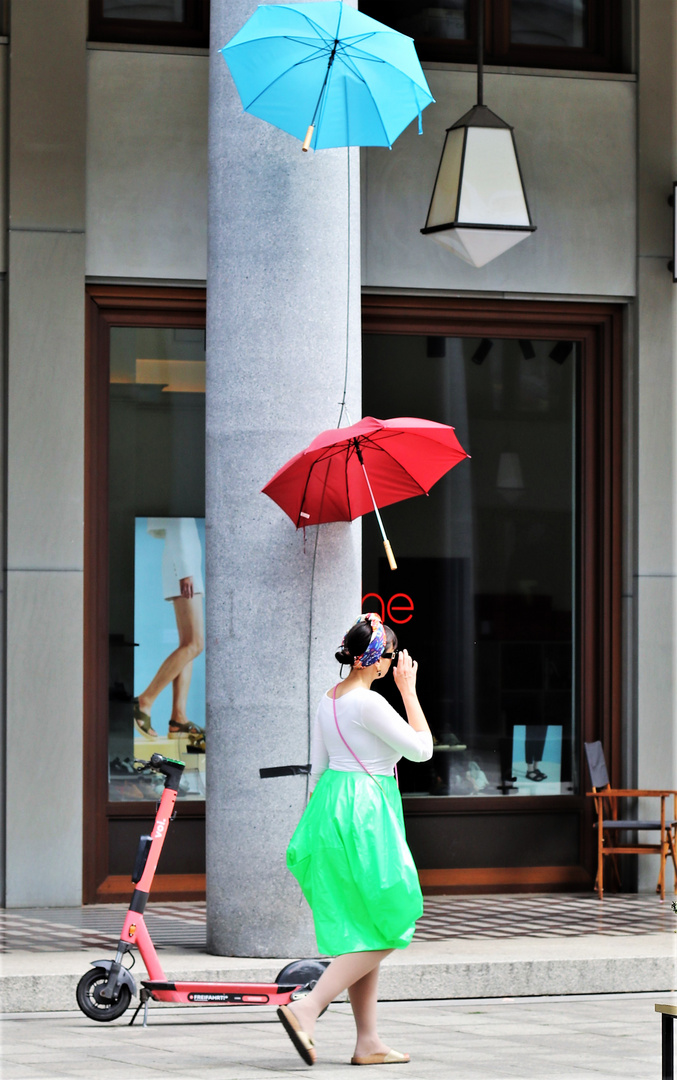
343	656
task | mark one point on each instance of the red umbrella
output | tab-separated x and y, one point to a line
346	472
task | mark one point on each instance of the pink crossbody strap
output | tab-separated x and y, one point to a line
333	701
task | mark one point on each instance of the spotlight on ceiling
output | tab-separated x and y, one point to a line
482	351
435	348
561	351
526	348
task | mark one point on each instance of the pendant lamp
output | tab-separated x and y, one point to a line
478	206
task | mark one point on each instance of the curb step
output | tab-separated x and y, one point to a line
425	971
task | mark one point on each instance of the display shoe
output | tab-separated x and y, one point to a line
196	744
118	767
303	1042
142	722
536	774
390	1057
179	729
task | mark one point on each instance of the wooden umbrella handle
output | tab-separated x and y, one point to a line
308	138
389	553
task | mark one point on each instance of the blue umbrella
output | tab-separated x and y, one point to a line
327	74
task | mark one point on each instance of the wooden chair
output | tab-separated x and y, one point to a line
609	826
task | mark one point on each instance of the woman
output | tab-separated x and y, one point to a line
349	852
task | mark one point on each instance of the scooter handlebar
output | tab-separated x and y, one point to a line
141	764
157	761
169	767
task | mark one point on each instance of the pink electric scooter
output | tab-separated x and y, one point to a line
104	992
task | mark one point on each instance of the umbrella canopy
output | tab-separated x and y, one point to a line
402	458
325	66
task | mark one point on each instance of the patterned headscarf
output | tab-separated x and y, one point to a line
376	647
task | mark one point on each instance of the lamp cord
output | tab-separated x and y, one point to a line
480	52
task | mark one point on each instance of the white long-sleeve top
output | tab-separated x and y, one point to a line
373	730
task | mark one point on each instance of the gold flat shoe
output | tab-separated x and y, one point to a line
303	1042
391	1057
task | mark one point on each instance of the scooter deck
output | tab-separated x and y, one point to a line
215	993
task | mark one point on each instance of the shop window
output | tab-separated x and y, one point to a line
574	34
508	587
487	563
150	22
156	508
145	574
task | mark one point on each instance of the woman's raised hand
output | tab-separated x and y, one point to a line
404	673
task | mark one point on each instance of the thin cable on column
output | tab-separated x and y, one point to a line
310	645
345	374
343	410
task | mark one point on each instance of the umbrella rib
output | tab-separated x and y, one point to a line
299	63
351	450
362	79
350	45
377	446
305	492
319	30
332	452
321	106
326	44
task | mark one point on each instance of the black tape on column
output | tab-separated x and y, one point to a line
284	770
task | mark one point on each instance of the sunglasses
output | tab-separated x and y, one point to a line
391	655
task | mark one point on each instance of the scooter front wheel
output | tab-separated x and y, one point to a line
88	994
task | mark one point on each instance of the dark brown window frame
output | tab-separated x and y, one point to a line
597	329
193	32
603	53
107	306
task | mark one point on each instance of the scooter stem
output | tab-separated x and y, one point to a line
160	827
134	931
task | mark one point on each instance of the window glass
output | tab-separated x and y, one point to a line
160	10
541	33
549	22
156	561
484	594
443	19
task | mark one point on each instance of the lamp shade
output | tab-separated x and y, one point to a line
478	206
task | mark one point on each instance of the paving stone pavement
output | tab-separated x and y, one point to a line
444	918
604	1037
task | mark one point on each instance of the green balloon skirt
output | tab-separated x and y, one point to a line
350	856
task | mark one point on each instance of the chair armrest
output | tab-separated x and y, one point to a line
631	792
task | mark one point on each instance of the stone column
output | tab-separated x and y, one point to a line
655	623
283	273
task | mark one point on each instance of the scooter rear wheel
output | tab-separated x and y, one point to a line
92	1005
301	971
